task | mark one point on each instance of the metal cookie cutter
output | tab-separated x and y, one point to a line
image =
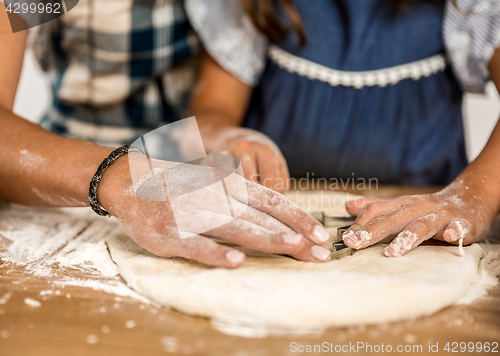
335	243
341	230
340	249
331	220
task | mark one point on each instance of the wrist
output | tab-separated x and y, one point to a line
114	183
77	172
477	188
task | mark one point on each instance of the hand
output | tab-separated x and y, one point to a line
452	214
261	159
269	221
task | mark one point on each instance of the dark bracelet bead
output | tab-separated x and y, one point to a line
94	183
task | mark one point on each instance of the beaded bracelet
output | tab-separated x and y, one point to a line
94	183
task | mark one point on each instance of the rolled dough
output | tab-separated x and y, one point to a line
279	293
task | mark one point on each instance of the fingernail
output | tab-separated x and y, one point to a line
351	231
349	241
401	245
348	234
364	235
321	234
320	253
389	251
452	235
292	239
394	251
357	239
235	257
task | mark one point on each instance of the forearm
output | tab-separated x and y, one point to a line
40	168
219	102
482	176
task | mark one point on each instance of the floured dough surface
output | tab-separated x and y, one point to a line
280	292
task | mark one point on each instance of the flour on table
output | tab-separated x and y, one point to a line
67	246
45	239
130	324
92	339
32	302
5	298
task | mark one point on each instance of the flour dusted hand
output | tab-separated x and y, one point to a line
457	214
261	159
462	213
268	220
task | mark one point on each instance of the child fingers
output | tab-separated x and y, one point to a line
355	206
249	166
268	164
457	229
417	232
284	174
382	226
373	210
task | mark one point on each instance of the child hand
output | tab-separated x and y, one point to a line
456	212
261	159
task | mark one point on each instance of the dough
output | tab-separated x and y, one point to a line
281	293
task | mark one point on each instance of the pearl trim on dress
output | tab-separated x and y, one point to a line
381	77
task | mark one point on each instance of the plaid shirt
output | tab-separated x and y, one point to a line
122	68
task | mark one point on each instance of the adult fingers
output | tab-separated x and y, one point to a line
248	234
200	249
310	252
281	208
260	218
417	232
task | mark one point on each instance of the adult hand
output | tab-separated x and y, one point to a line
269	222
456	212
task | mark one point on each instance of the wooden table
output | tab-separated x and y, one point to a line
82	321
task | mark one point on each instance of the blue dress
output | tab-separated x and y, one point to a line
407	133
